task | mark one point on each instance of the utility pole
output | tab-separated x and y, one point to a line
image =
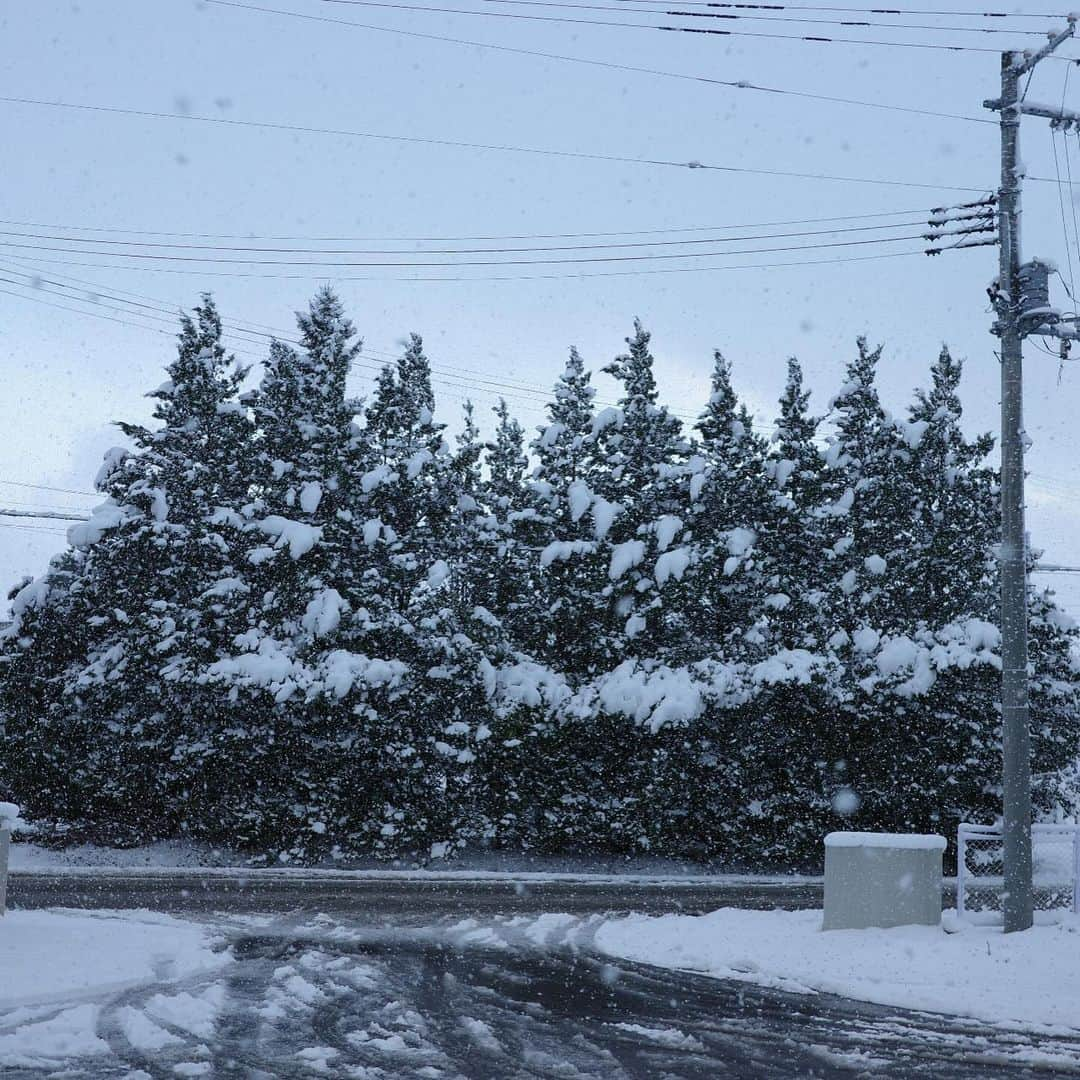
1016	741
1021	301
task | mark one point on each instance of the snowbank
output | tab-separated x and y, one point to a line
1030	980
185	862
60	956
910	841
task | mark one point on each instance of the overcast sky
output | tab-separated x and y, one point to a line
67	376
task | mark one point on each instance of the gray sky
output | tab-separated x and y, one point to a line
67	376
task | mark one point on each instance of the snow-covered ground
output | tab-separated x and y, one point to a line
1031	979
57	967
26	855
140	995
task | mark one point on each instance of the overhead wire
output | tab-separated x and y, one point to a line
463	378
36	506
856	11
42	515
79	311
98	292
611	23
464	239
147	315
203	273
1061	194
525	395
480	380
556	56
668	7
623	245
423	264
33	528
876	10
455	378
1061	207
733	84
47	487
1072	206
495	147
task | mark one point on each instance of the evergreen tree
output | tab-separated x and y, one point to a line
413	489
640	441
308	637
793	543
729	511
867	510
571	611
635	471
562	446
506	462
296	576
142	564
951	570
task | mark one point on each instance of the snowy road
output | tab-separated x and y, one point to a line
345	1000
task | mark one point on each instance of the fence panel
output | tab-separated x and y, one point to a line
980	870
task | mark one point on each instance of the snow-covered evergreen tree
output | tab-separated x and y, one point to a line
509	540
562	445
119	703
570	524
635	474
951	569
315	638
729	505
793	543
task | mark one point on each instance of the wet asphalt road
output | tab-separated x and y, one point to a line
413	899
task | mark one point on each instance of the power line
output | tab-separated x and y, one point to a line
473	278
576	260
43	515
385	4
536	396
853	23
830	40
446	251
46	487
79	311
36	504
481	382
438	368
1051	482
1072	201
455	144
583	60
463	239
667	9
34	529
879	11
1061	206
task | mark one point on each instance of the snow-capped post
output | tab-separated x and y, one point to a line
882	879
9	817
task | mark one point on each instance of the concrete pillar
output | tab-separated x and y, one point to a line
9	817
882	879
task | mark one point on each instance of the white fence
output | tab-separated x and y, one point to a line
980	870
